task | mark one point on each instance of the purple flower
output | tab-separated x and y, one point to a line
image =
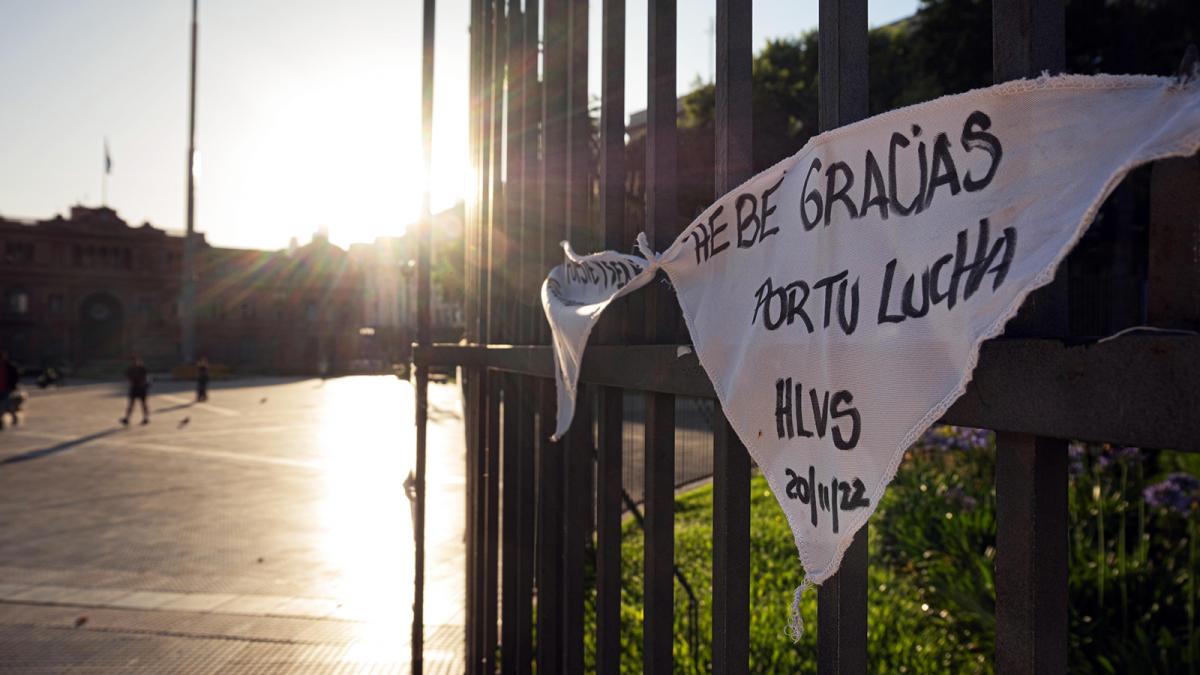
1128	453
1178	492
949	438
956	496
1076	452
1109	455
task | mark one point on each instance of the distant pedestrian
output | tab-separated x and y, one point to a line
202	379
9	374
139	387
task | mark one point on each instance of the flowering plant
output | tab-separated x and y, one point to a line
1178	492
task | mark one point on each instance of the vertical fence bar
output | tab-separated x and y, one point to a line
494	239
1031	554
474	401
472	409
1028	36
531	207
842	62
470	618
497	312
478	399
473	106
1173	287
554	218
475	298
510	541
515	138
513	483
554	135
577	467
842	613
731	462
491	509
522	648
550	544
658	596
516	646
424	238
608	534
493	209
473	206
734	92
731	550
526	522
474	125
579	452
662	221
578	128
476	308
611	422
842	66
531	198
475	386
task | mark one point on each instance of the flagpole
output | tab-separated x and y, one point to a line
104	176
188	295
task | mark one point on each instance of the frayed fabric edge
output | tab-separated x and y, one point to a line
795	621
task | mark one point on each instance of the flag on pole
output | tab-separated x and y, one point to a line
107	159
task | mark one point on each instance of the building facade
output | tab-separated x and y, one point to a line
89	290
390	281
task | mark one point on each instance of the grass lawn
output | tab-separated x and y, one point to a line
932	550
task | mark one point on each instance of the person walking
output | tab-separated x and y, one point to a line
139	387
202	379
9	374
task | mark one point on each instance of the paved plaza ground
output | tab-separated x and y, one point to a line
264	531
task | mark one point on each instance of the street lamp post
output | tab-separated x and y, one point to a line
409	269
187	299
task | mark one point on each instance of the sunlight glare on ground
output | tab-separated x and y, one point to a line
366	445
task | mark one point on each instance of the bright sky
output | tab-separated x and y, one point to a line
308	111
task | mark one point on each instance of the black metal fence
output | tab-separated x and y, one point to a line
693	443
534	506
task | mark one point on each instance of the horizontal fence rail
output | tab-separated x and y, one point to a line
544	518
1135	390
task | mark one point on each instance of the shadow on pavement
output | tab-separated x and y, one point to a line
60	447
177	406
160	384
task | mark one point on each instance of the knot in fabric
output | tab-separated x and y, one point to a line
648	253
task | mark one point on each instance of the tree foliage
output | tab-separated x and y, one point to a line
944	48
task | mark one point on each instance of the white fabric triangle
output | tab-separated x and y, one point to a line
975	197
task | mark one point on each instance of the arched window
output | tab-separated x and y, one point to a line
18	302
18	251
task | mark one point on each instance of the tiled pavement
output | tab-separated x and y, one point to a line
264	532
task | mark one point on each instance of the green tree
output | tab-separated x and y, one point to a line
944	48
